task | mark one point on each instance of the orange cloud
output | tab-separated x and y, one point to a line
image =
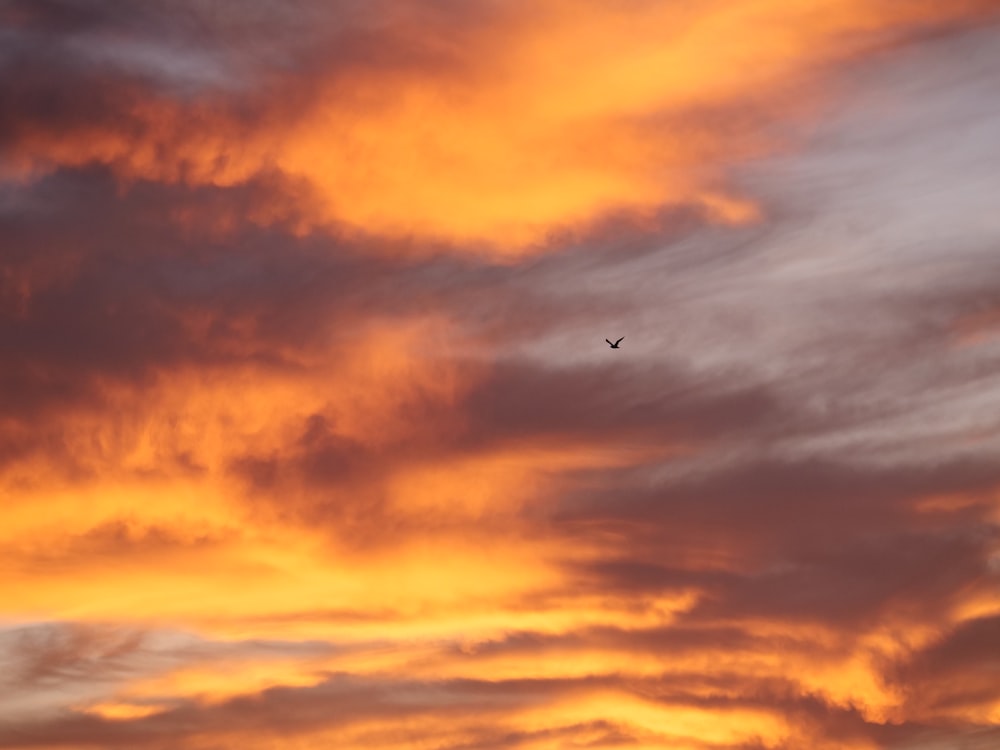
264	486
533	120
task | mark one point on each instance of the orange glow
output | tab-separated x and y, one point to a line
123	711
673	725
355	508
548	116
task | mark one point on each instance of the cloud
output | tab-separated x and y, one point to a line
455	709
952	678
308	433
538	121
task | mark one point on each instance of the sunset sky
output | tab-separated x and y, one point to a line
310	438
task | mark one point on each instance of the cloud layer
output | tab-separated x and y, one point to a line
309	436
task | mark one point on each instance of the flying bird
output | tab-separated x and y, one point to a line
614	345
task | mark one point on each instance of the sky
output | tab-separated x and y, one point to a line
310	437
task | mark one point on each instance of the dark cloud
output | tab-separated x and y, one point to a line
955	675
142	81
319	474
339	702
784	507
345	702
664	642
60	653
134	293
530	401
864	582
838	545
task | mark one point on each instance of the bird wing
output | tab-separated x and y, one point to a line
609	342
618	341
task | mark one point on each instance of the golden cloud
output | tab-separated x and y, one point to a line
522	121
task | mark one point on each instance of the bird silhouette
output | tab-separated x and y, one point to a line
614	345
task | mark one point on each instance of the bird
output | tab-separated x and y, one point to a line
614	345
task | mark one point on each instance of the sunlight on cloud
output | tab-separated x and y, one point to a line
123	711
269	486
539	119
